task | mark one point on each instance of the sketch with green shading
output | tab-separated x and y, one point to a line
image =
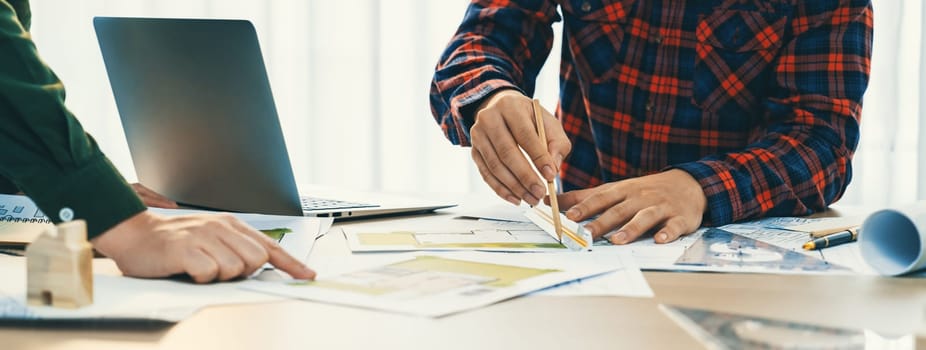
276	233
473	239
429	275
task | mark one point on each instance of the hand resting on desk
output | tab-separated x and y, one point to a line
670	203
153	199
207	247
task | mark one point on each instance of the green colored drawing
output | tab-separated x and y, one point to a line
276	233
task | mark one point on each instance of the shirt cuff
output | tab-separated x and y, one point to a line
720	188
96	193
464	107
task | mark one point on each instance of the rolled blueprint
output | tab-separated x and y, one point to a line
893	241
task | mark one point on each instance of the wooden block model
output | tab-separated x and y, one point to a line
59	267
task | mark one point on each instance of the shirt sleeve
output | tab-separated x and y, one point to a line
499	45
45	151
799	161
7	187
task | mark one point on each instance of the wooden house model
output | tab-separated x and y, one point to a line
59	267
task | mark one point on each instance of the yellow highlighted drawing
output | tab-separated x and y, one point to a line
503	275
427	275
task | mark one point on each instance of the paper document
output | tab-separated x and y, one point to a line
493	235
497	212
725	251
652	256
626	281
648	254
20	207
822	224
893	241
21	221
434	286
452	234
718	330
787	222
847	255
791	240
527	231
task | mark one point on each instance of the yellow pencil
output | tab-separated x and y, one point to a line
551	186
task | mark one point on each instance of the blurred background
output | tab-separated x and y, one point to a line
351	79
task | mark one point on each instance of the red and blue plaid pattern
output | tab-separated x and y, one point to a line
759	100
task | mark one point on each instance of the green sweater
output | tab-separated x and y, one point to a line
44	152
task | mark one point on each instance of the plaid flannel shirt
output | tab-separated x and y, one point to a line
760	101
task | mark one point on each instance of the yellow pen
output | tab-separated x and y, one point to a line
834	239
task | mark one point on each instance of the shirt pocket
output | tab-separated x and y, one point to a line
594	31
734	51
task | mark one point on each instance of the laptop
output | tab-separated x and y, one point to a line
201	124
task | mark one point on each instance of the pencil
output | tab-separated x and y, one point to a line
828	231
551	186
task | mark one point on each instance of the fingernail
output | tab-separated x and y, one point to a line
309	272
619	237
548	172
662	237
573	214
513	200
538	191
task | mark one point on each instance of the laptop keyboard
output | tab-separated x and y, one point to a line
330	204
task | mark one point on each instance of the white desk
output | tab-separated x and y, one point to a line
880	304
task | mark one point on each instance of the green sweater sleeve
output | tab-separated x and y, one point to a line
45	151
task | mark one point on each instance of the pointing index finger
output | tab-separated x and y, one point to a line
283	261
278	257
